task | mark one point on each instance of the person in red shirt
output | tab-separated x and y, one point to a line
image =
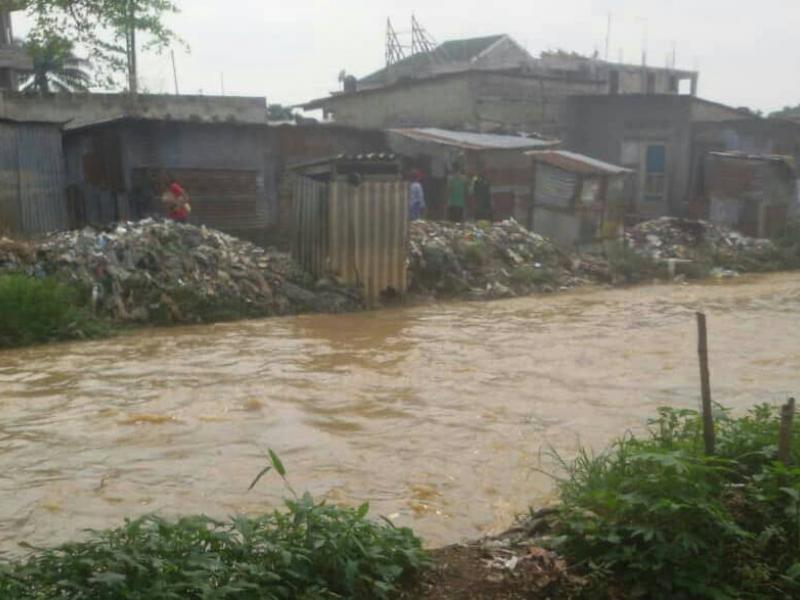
176	200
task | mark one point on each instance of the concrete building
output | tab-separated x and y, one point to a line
489	84
653	135
13	59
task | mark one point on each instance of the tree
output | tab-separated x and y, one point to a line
788	112
107	28
279	112
55	67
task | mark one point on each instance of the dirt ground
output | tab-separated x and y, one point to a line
477	571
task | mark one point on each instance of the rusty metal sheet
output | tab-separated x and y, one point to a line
358	234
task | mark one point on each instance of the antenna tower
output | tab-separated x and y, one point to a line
421	40
394	49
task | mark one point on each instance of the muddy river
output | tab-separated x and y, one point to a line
439	415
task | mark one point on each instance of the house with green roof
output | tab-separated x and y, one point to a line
488	52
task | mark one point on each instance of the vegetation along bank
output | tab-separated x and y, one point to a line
653	516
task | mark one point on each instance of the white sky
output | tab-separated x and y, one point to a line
748	52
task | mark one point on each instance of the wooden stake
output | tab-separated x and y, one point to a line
705	384
785	436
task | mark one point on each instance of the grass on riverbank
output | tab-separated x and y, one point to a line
41	310
656	518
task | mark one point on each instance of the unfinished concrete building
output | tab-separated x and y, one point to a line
489	84
13	59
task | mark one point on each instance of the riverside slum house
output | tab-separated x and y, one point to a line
753	194
643	118
117	148
487	84
667	140
576	200
351	222
436	153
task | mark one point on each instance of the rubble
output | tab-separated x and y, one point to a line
167	272
677	238
484	261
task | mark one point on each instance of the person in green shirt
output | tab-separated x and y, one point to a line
456	194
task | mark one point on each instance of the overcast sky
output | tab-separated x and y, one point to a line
748	53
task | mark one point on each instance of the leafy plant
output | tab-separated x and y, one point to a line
55	67
529	276
106	28
309	551
629	266
41	309
656	518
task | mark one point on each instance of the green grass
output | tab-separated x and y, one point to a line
42	309
655	518
308	551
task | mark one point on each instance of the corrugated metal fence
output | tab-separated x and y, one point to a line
31	178
359	234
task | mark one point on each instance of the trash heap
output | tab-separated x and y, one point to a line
484	261
165	272
673	237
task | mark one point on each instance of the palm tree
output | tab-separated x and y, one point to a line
55	67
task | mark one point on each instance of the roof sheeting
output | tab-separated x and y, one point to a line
576	163
474	141
779	159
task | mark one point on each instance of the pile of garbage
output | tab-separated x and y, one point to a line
484	261
677	238
166	272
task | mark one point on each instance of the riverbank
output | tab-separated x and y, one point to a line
654	516
94	282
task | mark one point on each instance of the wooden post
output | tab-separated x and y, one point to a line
705	384
785	436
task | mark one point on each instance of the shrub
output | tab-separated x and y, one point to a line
629	266
656	518
310	551
529	276
40	309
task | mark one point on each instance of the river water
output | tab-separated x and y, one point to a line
441	416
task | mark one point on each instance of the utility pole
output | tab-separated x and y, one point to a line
175	73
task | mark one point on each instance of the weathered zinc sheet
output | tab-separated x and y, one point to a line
31	178
358	234
311	225
555	187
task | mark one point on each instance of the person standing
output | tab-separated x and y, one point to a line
416	206
176	200
456	195
482	192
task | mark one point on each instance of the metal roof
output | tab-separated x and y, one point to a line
778	159
371	157
474	141
577	163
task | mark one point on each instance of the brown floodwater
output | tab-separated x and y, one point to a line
440	416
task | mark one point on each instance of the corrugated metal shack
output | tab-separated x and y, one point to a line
31	177
500	157
351	222
751	193
115	169
577	199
